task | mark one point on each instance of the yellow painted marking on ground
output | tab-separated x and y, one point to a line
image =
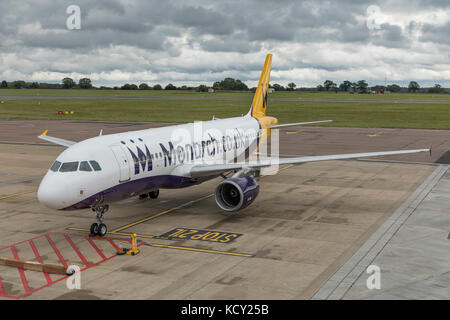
294	132
169	246
202	250
17	194
375	134
279	170
176	208
162	213
115	233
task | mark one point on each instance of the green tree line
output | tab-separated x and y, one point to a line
360	86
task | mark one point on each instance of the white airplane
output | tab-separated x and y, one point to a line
108	168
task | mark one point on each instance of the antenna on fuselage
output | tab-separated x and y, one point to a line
101	132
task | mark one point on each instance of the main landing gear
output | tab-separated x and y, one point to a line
99	229
153	195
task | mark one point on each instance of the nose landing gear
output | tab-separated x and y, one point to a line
99	229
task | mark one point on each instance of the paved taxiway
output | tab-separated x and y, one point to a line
64	97
306	224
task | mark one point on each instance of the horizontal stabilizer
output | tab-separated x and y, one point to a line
61	142
298	124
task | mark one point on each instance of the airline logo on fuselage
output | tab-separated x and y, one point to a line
141	159
179	154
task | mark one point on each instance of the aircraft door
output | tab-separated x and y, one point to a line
122	161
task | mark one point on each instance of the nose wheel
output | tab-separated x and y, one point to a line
99	228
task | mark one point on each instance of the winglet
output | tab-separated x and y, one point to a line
44	133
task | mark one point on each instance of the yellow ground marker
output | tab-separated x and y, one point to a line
16	194
375	134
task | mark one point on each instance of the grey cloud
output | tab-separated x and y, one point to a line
390	36
437	34
163	31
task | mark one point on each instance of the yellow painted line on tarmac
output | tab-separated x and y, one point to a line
202	250
294	132
177	207
171	247
375	134
17	194
162	213
281	169
117	231
113	233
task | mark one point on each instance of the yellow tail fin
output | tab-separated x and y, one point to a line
259	103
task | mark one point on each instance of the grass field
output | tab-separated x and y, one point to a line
243	94
367	114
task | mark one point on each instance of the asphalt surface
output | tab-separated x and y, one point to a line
294	141
306	224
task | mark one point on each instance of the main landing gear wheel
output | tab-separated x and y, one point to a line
99	228
102	230
154	194
94	229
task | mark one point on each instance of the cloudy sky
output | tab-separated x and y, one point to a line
193	42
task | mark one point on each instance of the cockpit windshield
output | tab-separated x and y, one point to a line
69	167
84	166
75	165
55	166
95	165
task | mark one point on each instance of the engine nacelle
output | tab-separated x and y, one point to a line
236	193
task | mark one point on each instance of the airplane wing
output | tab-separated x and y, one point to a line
62	142
298	124
201	170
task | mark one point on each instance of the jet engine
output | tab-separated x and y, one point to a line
236	193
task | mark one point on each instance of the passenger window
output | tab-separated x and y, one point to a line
95	165
69	167
84	166
55	166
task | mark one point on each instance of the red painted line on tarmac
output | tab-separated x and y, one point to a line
113	244
86	263
50	241
20	242
96	248
47	235
39	259
2	292
21	272
58	280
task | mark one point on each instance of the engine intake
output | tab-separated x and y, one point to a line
236	193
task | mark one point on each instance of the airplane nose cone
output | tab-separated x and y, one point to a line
48	194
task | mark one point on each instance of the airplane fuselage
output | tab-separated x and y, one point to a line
110	168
